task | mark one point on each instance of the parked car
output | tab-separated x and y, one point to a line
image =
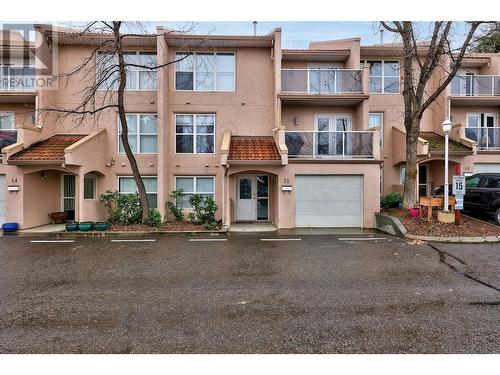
482	194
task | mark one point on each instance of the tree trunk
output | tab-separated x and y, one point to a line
410	187
143	198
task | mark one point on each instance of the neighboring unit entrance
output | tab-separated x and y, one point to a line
3	199
329	201
252	197
68	195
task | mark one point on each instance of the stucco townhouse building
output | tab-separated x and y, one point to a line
295	137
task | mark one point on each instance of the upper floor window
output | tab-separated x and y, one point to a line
142	134
194	133
205	71
8	131
139	78
384	77
376	120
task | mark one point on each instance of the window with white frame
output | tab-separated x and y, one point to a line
376	120
139	77
205	71
127	185
194	133
8	131
89	186
191	185
384	77
142	133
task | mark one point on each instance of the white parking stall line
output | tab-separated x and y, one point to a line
361	238
52	241
146	240
281	239
207	239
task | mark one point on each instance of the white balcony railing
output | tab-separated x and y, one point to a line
475	85
329	144
17	79
322	81
486	138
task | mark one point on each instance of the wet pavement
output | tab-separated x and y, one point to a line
306	293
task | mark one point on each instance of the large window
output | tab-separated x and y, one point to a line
8	131
376	120
127	185
194	133
384	77
142	134
139	78
195	185
204	71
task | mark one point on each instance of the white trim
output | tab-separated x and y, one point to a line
253	178
62	192
143	178
381	114
138	134
194	133
195	185
194	71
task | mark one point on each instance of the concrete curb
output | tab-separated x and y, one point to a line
137	233
390	224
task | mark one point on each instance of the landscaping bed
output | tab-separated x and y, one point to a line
421	227
173	226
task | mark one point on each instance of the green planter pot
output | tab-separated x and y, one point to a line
85	226
71	227
101	226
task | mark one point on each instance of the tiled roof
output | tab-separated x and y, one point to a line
51	149
436	143
253	148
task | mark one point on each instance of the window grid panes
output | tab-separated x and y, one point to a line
384	77
204	71
138	78
7	121
127	185
194	133
142	134
191	185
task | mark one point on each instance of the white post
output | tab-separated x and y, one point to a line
446	204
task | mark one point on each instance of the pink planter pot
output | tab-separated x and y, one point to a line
414	212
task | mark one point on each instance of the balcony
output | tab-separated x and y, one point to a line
475	90
322	86
7	138
17	79
488	139
329	144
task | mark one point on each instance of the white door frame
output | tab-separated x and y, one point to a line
241	215
62	192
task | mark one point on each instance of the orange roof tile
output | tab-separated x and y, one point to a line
51	149
253	148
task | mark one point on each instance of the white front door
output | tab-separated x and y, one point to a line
68	195
246	202
252	198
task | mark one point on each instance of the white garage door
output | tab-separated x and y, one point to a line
486	168
3	199
329	201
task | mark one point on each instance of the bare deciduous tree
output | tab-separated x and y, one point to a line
418	94
105	72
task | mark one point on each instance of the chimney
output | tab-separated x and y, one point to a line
381	36
254	28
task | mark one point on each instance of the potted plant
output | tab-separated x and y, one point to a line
414	212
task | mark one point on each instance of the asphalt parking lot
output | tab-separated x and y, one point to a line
251	293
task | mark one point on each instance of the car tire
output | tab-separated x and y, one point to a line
497	216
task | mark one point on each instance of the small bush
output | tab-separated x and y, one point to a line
174	205
109	198
204	209
391	200
128	209
154	218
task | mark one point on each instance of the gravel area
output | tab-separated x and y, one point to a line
173	226
420	226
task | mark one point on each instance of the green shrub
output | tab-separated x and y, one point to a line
174	205
128	209
204	209
109	199
154	218
391	200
